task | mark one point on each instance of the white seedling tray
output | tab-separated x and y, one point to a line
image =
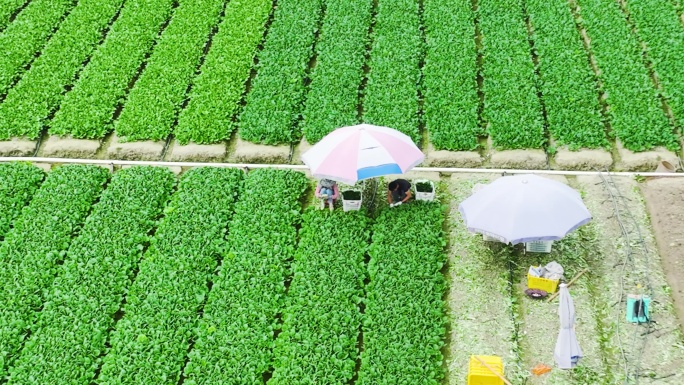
424	196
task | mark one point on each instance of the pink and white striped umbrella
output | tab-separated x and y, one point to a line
354	153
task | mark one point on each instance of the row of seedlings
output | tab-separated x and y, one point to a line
567	82
27	106
404	323
450	75
635	113
512	109
482	314
154	101
322	318
235	338
150	342
333	97
216	92
7	9
70	334
32	250
657	24
18	183
274	102
26	35
391	93
86	111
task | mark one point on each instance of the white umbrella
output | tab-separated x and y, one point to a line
524	208
364	151
567	352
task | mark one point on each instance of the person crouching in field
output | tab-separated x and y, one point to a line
327	190
399	191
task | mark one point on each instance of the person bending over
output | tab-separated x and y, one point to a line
399	191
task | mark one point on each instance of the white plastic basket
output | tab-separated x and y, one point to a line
538	246
351	205
424	196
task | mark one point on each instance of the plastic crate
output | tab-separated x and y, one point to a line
548	285
351	205
479	374
424	196
538	246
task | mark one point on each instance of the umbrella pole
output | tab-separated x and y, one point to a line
568	285
493	371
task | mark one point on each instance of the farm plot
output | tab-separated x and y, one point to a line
7	8
87	110
657	25
216	91
18	183
567	86
234	340
80	307
152	104
151	341
404	323
37	243
450	75
274	103
391	94
512	109
322	319
636	115
24	37
39	92
333	96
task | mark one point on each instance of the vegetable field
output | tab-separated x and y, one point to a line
224	277
457	75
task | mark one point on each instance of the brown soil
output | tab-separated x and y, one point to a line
665	203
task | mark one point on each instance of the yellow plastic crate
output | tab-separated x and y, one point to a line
548	285
478	374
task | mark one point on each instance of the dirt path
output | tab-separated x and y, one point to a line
665	202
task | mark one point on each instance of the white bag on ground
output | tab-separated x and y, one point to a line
553	270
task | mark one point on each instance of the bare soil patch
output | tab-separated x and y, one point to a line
192	152
146	150
443	158
17	147
665	203
67	147
583	159
642	161
246	152
519	159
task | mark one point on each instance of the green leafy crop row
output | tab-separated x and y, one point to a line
404	324
450	74
569	91
154	101
31	250
7	8
333	98
216	91
274	102
87	110
636	114
18	183
658	25
25	36
39	92
97	271
391	94
512	108
236	334
318	342
151	341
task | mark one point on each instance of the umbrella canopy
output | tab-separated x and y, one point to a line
567	352
524	208
354	153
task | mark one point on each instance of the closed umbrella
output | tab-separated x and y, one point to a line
524	208
350	154
567	352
